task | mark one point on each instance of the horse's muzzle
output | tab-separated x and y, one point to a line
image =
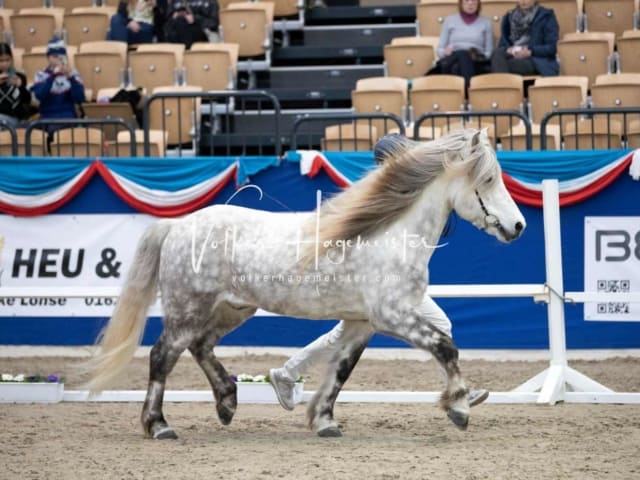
514	234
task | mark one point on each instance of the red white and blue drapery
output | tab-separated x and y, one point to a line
581	174
163	187
175	186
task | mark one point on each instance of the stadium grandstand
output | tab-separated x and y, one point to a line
292	76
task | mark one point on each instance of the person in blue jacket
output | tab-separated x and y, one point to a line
528	41
58	87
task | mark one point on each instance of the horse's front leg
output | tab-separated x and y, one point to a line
414	326
347	346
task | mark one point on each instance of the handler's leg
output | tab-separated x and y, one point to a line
321	349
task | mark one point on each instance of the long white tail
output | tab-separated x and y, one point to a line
122	335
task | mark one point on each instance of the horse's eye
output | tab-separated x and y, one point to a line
489	180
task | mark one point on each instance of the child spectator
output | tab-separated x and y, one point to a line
57	87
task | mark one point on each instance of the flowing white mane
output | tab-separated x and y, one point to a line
384	194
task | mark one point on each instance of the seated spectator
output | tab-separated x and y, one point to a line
57	87
466	42
15	98
528	41
160	13
192	21
134	22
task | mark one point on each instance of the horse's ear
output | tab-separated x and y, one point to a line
475	140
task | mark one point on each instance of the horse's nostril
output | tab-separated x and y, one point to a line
519	226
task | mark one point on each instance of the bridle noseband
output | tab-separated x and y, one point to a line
490	220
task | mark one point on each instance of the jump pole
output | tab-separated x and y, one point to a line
559	377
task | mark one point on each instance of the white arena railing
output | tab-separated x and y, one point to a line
557	383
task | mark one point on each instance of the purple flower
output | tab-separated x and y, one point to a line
53	378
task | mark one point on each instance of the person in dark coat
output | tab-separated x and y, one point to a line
15	98
528	41
191	21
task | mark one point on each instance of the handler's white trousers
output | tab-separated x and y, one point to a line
324	347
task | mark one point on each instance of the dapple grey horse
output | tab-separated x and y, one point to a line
361	257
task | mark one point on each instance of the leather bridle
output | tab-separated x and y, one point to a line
490	220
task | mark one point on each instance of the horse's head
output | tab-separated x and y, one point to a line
477	192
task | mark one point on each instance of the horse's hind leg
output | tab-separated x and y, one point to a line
224	389
347	350
163	357
226	318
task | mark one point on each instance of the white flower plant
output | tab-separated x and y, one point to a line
246	378
37	388
21	378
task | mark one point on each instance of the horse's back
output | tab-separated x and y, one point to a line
205	248
239	216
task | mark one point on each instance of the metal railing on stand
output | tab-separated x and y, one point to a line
475	119
225	122
316	124
12	133
85	135
607	123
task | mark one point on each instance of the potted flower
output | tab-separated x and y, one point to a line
31	389
258	389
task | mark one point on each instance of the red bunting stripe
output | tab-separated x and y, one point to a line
169	211
318	163
50	207
533	198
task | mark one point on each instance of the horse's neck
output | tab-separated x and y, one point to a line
425	221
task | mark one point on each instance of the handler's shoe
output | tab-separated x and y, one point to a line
475	397
283	386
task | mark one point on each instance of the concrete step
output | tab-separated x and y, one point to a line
335	15
322	56
355	35
321	77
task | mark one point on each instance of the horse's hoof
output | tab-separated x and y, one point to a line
459	419
330	432
166	433
225	414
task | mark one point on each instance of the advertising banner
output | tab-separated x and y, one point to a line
612	264
92	250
